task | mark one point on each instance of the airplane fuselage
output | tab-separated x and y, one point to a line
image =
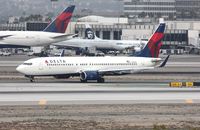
29	38
52	66
100	44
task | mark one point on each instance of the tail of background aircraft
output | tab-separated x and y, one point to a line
154	44
89	33
62	54
59	25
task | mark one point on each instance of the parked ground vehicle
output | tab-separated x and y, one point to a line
6	54
31	53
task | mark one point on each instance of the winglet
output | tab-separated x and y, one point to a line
62	53
59	25
164	62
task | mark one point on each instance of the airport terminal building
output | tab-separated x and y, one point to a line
178	34
151	8
182	18
170	9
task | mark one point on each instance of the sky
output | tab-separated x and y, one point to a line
27	7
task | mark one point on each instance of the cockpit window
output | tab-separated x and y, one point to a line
28	64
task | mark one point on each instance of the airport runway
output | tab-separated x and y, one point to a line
138	101
92	93
146	87
179	68
176	63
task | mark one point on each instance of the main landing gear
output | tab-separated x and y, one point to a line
83	81
99	80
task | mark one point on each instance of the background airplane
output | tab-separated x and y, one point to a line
91	43
95	68
53	33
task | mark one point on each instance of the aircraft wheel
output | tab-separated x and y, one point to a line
83	81
31	79
101	80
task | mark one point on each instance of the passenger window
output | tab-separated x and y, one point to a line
119	43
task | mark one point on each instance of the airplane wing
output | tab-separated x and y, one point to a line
70	36
124	71
69	45
120	71
4	36
75	43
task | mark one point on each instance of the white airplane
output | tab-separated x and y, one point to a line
92	41
54	32
95	68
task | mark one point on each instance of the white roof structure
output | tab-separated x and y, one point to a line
103	20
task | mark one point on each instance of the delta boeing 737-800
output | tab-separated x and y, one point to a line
95	68
54	32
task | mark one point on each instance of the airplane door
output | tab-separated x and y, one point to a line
37	38
41	66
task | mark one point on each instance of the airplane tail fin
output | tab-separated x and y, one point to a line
89	33
154	44
59	25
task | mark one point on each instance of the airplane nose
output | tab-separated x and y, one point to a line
19	69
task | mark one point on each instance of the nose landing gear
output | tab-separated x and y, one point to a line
31	78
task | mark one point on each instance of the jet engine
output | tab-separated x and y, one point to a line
89	75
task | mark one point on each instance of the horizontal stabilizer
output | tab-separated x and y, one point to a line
156	60
69	36
5	36
124	69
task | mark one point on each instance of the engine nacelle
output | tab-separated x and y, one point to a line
62	76
89	75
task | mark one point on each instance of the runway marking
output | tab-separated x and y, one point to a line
189	101
42	102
